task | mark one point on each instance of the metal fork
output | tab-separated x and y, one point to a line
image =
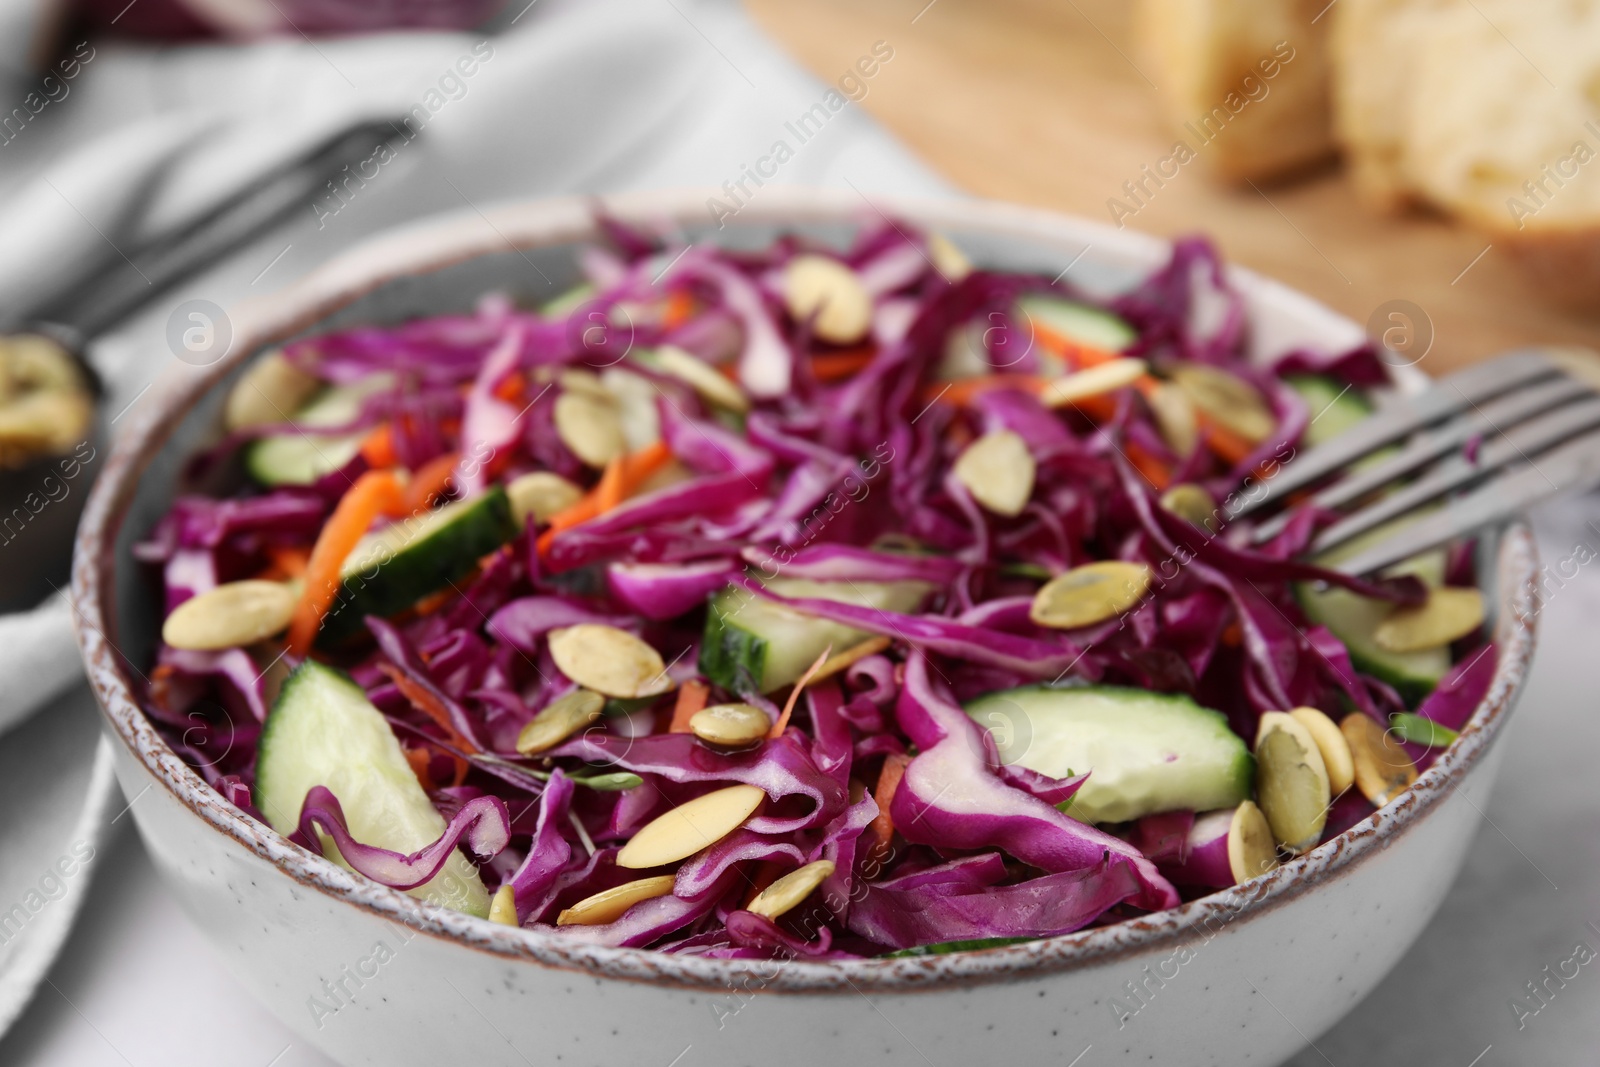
1535	414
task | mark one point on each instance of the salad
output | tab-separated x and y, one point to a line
798	603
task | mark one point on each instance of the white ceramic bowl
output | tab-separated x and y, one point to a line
370	975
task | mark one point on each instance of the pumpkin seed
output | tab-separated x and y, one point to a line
1095	381
731	725
1191	503
538	495
1251	850
611	904
589	427
559	720
1291	782
32	361
579	380
1448	614
1416	730
1175	417
636	406
610	661
951	263
233	614
1383	769
824	287
1227	399
270	391
789	891
1331	746
690	827
1089	594
503	908
841	661
702	377
998	470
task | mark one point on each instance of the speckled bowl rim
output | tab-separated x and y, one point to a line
435	244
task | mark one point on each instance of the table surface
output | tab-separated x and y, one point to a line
1041	103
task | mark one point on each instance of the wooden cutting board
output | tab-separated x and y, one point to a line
1040	102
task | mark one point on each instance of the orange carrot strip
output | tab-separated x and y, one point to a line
621	477
608	493
378	447
962	392
1224	442
794	694
419	760
1233	635
433	602
882	826
512	388
1076	352
290	559
1155	471
375	493
430	482
679	307
691	699
832	366
430	706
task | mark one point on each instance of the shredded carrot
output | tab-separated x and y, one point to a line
680	306
290	559
431	706
1154	471
1075	352
608	493
512	388
794	694
882	826
1233	635
691	699
375	493
620	479
430	482
1224	442
378	447
832	366
434	601
419	760
963	391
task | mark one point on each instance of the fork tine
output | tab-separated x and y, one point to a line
1573	466
1522	443
1448	396
1494	417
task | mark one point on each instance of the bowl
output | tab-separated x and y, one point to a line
371	975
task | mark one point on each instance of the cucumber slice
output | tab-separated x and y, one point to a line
1082	323
1334	406
324	731
302	458
1354	619
757	645
1149	752
944	948
393	568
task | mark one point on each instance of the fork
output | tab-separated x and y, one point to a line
1534	415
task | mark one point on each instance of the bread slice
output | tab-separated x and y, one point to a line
1502	129
1373	50
1244	82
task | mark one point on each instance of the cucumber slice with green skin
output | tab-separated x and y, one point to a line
1334	406
1148	752
756	645
1354	619
944	948
569	301
303	458
393	568
324	731
1083	323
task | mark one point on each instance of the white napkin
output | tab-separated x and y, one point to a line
573	96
